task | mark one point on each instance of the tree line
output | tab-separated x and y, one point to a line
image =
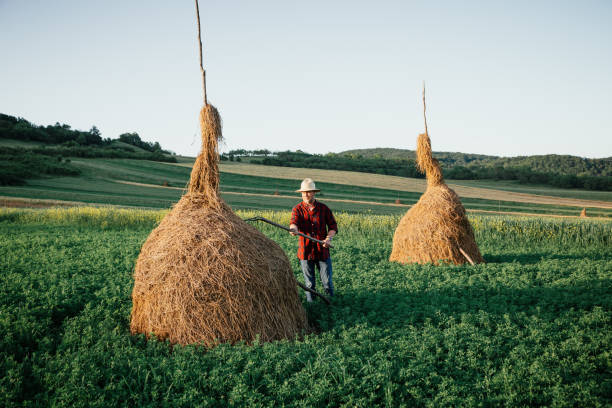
59	142
80	143
552	170
550	163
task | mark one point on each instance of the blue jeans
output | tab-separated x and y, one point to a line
325	270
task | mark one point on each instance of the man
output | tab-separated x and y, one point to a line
315	219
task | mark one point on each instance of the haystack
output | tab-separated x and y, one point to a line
583	213
206	276
436	228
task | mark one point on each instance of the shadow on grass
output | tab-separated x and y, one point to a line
530	258
393	308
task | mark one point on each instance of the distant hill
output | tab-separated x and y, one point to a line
551	170
30	151
61	140
550	163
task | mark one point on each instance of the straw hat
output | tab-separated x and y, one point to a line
307	185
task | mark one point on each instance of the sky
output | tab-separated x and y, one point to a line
504	78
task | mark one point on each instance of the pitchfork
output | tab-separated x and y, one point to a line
287	229
306	288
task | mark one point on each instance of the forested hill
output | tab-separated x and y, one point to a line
62	140
30	151
553	170
452	158
550	163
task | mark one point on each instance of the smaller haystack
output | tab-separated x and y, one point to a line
436	228
583	213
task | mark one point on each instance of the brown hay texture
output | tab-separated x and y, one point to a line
436	227
206	276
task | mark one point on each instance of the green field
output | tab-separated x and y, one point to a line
531	327
101	183
516	187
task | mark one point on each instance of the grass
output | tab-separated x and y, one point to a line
515	186
98	185
532	327
102	191
20	143
401	183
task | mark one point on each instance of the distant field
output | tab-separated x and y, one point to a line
408	184
141	183
515	186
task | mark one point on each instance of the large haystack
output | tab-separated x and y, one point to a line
436	228
206	276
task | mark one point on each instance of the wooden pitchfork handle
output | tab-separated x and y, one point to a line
314	292
287	229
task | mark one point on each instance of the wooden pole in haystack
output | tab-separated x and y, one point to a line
205	174
200	49
424	110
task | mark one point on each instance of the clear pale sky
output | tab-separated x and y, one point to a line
503	78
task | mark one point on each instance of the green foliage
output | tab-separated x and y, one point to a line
547	164
88	152
134	139
18	165
67	142
525	175
99	183
20	129
378	165
532	327
553	170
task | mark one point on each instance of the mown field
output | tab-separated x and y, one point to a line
159	185
531	327
485	189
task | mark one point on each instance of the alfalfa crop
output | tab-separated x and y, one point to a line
436	228
206	276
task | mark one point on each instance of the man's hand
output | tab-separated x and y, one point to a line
327	241
293	229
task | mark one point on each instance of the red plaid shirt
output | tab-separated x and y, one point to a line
315	222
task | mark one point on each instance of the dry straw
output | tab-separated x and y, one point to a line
206	276
436	228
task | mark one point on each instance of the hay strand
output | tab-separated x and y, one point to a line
205	173
425	161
